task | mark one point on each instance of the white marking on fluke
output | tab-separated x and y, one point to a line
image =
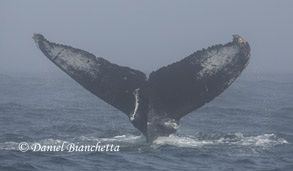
136	96
66	58
216	60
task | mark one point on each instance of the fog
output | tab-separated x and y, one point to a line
145	35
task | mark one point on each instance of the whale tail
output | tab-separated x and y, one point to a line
154	105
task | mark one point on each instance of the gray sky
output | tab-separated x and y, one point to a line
145	35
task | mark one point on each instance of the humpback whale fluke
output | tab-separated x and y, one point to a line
154	105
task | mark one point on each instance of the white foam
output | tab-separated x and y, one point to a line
237	139
9	146
265	140
117	139
179	141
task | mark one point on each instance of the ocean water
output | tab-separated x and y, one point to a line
248	127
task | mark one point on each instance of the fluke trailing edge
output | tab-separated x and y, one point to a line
154	105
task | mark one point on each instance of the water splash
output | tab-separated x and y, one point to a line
138	143
265	140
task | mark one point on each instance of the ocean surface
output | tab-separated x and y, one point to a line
248	127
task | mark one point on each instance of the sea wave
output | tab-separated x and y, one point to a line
264	140
139	142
